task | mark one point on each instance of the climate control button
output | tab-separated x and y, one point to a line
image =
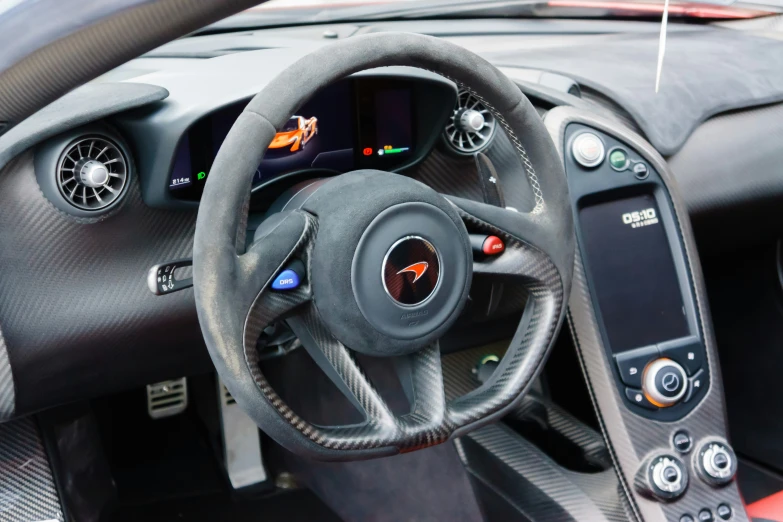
664	382
637	397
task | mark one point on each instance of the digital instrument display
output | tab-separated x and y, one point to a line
351	124
384	130
633	272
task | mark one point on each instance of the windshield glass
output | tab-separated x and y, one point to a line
293	12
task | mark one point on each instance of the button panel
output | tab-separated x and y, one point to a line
636	396
631	364
674	382
689	353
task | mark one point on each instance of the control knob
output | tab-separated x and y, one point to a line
91	173
663	477
716	463
664	382
471	121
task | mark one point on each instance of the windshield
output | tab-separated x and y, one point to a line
295	12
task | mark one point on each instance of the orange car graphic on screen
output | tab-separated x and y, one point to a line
296	132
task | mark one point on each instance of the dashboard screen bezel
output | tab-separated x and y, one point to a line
642	322
428	106
666	217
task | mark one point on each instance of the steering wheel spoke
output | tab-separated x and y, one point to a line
339	364
289	237
529	260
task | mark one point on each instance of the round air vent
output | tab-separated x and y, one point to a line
92	173
471	126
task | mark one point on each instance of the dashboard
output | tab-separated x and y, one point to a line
78	320
358	123
165	115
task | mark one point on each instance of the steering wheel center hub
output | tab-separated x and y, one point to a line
392	264
411	271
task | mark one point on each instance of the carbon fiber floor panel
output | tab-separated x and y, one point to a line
27	489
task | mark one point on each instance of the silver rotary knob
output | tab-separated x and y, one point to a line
93	174
717	463
667	476
471	121
663	477
664	382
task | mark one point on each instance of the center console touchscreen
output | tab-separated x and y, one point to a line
633	272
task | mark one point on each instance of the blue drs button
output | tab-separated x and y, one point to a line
286	280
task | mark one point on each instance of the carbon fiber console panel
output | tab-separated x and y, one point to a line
27	486
632	438
537	486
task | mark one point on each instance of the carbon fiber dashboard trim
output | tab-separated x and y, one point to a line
77	317
27	489
455	175
632	438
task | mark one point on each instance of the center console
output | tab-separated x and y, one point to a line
639	320
635	266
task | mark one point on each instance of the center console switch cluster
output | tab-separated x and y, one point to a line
663	375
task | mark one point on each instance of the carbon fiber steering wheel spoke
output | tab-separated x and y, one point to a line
529	265
286	239
339	364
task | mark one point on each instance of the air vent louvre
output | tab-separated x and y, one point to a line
92	173
471	126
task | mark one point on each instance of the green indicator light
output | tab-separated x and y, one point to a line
488	358
618	159
201	175
395	151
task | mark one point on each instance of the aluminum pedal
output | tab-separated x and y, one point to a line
241	443
167	398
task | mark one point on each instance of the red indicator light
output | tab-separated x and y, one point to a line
367	151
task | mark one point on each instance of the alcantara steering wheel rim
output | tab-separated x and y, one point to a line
235	303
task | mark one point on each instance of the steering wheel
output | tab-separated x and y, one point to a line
387	263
